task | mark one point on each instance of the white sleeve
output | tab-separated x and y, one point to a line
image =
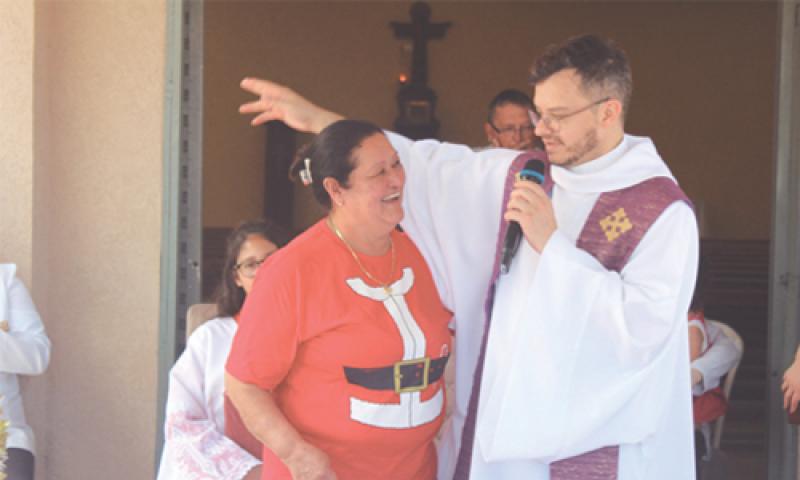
716	361
194	446
452	212
594	357
24	348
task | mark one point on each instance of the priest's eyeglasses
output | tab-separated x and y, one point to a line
249	267
522	130
553	122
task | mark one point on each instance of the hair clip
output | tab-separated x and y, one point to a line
305	173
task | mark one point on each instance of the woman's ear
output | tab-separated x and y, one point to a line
334	189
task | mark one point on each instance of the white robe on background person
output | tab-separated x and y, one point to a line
24	350
195	443
578	357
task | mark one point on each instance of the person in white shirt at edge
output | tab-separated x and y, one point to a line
579	357
509	123
196	446
712	354
24	350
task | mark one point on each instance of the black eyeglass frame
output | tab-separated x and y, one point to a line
548	120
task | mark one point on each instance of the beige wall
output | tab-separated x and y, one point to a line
704	84
81	157
16	133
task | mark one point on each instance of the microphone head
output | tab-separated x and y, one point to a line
533	171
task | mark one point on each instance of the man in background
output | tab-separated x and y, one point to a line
509	124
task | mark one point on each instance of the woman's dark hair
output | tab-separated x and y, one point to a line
230	296
331	155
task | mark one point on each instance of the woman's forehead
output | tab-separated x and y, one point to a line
374	149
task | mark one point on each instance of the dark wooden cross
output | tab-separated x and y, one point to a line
420	30
416	101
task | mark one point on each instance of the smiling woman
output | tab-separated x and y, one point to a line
337	365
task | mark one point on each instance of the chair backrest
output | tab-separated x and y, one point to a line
198	314
727	384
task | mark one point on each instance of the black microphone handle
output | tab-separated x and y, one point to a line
511	245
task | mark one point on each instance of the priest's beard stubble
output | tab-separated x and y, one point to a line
577	153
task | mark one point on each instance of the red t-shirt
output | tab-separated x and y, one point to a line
313	312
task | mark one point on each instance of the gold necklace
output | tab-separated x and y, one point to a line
385	285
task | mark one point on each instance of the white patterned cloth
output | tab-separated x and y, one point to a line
196	446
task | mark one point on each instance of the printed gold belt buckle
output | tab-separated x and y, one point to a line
398	375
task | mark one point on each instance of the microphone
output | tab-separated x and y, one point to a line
533	172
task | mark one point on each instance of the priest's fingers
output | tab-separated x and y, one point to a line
534	216
531	193
524	203
257	106
515	216
521	196
260	87
532	187
263	118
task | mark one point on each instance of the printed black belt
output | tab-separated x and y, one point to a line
402	377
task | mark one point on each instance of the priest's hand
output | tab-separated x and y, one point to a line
529	206
791	385
276	102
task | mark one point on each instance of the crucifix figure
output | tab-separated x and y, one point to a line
416	101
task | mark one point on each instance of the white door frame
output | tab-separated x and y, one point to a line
181	227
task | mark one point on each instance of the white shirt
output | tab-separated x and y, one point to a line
24	350
578	357
196	446
715	362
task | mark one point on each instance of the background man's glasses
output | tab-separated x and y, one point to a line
522	130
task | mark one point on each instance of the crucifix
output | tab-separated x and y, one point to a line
415	100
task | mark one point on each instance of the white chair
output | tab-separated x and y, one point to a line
198	314
727	384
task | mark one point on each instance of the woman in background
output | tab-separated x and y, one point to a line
24	350
196	445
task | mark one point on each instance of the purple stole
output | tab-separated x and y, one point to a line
616	224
